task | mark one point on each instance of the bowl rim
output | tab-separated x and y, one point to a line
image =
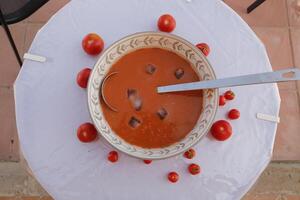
122	40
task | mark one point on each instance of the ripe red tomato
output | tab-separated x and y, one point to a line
189	154
221	130
173	177
87	132
229	95
194	169
234	114
92	44
204	48
147	161
83	77
222	100
166	23
113	156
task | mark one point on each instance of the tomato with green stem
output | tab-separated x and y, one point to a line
194	169
229	95
189	154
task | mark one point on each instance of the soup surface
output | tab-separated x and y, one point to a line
145	118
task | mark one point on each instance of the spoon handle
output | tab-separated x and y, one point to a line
261	78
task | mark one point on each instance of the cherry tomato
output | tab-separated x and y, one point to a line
147	162
234	114
92	44
166	23
221	130
87	132
229	95
113	156
222	100
194	169
173	177
83	77
204	48
189	154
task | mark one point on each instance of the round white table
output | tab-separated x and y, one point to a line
50	106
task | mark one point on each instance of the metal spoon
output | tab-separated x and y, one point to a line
102	91
292	74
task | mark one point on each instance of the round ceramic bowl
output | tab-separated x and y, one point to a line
152	40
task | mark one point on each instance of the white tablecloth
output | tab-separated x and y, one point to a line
50	106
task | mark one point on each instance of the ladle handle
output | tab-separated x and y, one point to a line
261	78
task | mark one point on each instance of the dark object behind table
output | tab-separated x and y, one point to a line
254	5
13	11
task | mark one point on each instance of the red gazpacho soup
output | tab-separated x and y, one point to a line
145	118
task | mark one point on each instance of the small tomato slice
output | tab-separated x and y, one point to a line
234	114
83	77
222	100
113	156
204	48
147	162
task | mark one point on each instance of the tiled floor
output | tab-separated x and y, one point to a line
9	66
25	198
276	22
23	34
9	147
272	13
